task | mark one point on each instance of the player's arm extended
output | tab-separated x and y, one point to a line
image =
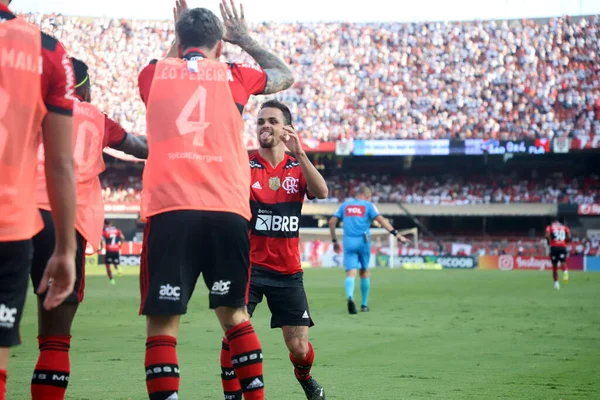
388	227
136	146
333	221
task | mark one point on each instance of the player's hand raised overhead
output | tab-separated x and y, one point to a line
236	29
290	138
180	7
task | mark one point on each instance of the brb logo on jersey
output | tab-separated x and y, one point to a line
267	222
355	211
290	185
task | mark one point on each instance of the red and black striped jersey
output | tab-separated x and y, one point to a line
276	199
559	234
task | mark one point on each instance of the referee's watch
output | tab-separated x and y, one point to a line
394	232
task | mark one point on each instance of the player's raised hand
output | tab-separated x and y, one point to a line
290	138
180	7
235	23
58	279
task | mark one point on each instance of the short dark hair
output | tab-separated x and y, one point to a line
107	222
287	114
199	27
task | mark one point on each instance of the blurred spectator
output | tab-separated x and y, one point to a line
483	79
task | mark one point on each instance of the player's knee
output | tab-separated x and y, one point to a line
162	325
231	316
364	273
351	273
298	347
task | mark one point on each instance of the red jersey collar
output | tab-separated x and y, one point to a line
268	165
194	50
4	8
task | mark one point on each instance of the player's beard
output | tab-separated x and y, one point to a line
267	143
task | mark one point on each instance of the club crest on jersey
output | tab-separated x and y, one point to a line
290	185
274	183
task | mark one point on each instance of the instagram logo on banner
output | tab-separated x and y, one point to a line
505	263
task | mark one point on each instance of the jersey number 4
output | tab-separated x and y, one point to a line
192	118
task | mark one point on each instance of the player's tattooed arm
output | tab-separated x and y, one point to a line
279	75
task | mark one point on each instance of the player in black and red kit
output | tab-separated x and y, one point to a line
557	236
112	239
279	184
23	102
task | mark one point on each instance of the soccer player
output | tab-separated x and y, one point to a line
357	215
196	190
557	236
112	238
92	131
280	184
31	99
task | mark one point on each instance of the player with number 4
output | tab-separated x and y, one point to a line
196	189
92	131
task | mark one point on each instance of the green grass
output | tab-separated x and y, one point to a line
430	335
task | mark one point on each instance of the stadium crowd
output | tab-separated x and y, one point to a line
507	80
124	186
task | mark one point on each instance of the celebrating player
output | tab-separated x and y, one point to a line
557	236
112	239
196	190
276	197
357	214
30	100
92	131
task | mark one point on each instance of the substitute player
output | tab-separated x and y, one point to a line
357	214
280	184
112	239
557	236
31	98
196	190
92	131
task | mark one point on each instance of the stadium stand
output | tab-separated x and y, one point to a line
486	79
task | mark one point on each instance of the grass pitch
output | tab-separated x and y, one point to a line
430	335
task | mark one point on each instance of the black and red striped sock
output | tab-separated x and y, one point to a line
162	370
51	376
2	384
555	273
232	390
247	361
302	367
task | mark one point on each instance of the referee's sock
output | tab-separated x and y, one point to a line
247	360
349	285
232	390
365	288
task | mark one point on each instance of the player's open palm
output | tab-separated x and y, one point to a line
58	279
235	23
290	138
